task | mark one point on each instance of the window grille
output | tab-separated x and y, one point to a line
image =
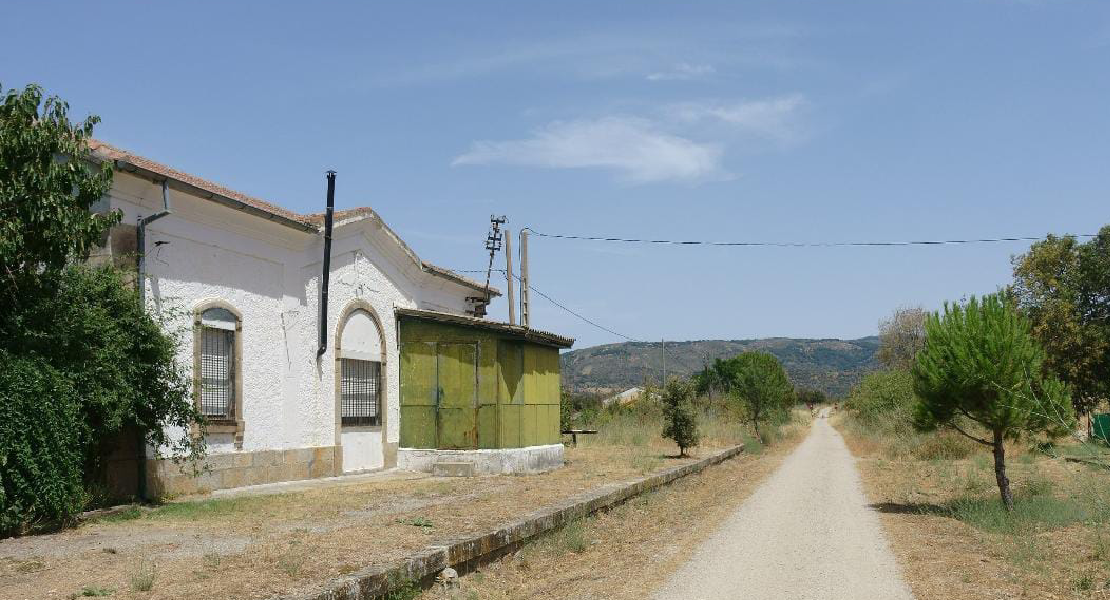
361	380
217	372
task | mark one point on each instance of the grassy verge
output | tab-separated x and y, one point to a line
938	500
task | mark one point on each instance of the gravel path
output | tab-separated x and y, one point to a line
806	533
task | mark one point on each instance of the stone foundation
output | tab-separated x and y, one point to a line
487	461
237	469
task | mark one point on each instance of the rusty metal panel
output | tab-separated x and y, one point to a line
418	395
458	395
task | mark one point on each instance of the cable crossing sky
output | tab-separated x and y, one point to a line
795	244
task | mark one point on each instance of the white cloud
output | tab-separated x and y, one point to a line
772	118
632	147
683	71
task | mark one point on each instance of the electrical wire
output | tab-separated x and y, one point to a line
794	244
532	288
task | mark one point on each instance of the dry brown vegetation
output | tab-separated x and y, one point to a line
257	546
629	551
954	540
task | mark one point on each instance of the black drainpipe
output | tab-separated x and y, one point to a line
327	267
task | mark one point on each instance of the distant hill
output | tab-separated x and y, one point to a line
832	366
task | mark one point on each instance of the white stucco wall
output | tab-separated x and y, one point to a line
270	274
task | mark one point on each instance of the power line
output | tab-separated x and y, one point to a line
797	244
556	303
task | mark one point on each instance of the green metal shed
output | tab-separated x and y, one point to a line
469	383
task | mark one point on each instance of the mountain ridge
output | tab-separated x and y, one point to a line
827	364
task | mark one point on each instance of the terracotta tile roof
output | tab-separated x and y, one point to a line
311	222
106	151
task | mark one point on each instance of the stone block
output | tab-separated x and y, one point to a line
454	469
235	477
242	459
321	468
323	453
266	458
297	471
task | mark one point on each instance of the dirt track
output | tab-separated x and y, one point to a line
806	533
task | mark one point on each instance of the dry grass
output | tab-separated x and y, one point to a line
629	551
954	541
257	546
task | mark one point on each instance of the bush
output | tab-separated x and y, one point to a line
41	455
883	400
681	416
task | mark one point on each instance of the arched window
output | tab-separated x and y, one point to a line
360	370
217	361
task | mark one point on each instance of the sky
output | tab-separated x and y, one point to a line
780	121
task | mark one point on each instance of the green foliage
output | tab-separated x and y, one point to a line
807	396
680	414
1063	287
758	383
981	365
81	362
883	400
981	362
47	187
40	452
566	410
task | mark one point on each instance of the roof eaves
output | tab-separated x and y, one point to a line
534	335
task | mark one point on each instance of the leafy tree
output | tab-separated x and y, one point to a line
1063	287
47	186
681	415
981	366
808	396
901	336
883	399
759	383
80	360
712	378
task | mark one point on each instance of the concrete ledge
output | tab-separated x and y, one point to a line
467	552
487	461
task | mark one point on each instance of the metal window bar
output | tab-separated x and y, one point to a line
217	373
361	380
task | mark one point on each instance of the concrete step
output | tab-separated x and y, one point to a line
454	469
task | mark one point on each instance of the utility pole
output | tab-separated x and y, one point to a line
524	316
663	348
509	275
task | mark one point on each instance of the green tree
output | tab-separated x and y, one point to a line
47	187
680	414
81	361
981	367
1063	287
759	383
808	396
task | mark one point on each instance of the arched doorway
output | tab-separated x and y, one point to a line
360	391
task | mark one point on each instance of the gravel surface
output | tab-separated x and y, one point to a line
806	533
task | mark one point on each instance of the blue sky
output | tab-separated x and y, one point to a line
750	121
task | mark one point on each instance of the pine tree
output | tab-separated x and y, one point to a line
681	415
982	370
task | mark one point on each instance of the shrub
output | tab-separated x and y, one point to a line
681	416
883	400
40	449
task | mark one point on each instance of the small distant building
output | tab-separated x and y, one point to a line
478	392
626	397
408	366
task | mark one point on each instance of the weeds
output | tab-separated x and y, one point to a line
572	538
212	560
97	591
142	580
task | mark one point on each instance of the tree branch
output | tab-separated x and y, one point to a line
969	436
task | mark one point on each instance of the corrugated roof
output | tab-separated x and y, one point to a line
533	335
312	223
